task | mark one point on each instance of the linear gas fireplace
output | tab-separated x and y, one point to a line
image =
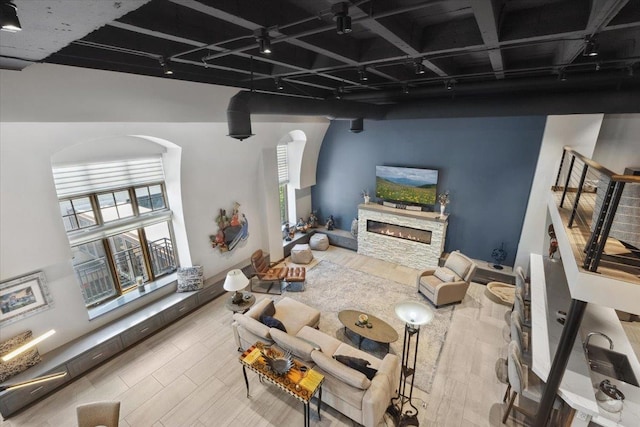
399	231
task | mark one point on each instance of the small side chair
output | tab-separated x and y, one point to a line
95	414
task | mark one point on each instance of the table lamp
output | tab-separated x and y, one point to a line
414	314
235	281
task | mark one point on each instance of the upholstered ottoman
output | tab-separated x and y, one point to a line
301	254
319	242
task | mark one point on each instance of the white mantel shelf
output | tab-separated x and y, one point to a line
405	252
429	216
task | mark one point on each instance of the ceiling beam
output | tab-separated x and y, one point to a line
183	40
602	12
392	37
487	13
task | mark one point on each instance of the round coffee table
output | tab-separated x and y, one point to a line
380	331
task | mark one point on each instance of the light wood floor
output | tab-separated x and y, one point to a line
188	374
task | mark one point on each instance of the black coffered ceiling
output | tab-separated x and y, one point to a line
482	46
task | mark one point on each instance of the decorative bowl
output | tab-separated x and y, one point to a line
363	318
279	364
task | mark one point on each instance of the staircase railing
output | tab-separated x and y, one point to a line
603	210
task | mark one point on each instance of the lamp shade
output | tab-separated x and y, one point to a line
235	281
414	313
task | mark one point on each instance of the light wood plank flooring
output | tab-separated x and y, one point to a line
188	374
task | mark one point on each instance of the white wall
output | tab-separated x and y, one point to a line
618	144
577	131
215	172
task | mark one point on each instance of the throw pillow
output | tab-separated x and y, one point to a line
190	278
349	360
444	275
272	322
358	364
21	362
269	310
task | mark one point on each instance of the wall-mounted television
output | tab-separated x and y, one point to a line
409	186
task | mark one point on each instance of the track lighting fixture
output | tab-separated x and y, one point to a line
450	84
165	68
419	66
630	70
362	74
339	92
562	75
342	18
405	89
598	66
9	17
590	47
263	39
278	83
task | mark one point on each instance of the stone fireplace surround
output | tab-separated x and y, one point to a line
405	252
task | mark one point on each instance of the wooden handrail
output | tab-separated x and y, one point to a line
597	166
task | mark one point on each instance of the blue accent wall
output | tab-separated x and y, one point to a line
486	164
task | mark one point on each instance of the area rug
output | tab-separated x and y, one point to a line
331	288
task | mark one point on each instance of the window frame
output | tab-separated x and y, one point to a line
102	232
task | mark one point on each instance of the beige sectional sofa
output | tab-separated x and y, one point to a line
347	390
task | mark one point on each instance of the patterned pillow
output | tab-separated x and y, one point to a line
190	278
21	362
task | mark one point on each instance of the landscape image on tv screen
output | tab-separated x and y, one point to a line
406	185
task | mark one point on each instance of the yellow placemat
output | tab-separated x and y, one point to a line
312	380
252	356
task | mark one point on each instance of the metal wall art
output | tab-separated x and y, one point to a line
231	230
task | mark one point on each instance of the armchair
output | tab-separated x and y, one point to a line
448	284
268	275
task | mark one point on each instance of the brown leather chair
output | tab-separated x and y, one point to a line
268	275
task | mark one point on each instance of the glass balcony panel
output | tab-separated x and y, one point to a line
92	271
161	251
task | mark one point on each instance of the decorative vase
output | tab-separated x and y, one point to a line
366	200
442	207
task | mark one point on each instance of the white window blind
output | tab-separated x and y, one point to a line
76	180
283	164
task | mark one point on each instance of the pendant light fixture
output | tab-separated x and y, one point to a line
342	18
9	17
264	41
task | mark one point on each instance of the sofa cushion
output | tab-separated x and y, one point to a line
294	315
341	372
300	348
256	311
272	322
269	309
357	364
252	325
326	343
444	275
458	264
430	282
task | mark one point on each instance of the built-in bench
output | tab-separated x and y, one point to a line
341	238
88	351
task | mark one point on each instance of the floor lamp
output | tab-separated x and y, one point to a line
414	314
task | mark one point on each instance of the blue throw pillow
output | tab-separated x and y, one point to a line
272	322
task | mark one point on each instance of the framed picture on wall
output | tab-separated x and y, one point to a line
23	296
